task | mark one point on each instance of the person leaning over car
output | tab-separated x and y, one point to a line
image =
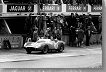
35	35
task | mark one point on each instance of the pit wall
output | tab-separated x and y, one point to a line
15	40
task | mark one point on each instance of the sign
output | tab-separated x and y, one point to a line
76	8
15	40
96	8
20	8
51	8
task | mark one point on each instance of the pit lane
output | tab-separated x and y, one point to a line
17	55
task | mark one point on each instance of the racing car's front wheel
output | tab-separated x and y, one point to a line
61	48
28	50
45	49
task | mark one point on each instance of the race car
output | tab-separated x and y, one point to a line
44	45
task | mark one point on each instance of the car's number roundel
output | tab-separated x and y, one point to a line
56	45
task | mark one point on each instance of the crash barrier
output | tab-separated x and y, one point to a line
11	40
95	39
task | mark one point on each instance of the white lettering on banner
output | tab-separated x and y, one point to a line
17	8
29	8
84	8
74	8
97	8
58	8
49	8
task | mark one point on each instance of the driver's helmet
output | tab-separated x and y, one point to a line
29	40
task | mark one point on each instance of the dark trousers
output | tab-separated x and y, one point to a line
72	40
79	43
87	40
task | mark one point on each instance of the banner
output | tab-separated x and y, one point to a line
76	8
50	8
96	8
15	40
20	8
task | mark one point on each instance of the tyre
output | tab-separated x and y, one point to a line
45	49
28	50
61	48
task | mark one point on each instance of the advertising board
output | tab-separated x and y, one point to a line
76	8
20	8
50	8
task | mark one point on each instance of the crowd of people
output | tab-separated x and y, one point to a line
72	2
76	26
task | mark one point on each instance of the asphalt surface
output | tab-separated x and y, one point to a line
72	57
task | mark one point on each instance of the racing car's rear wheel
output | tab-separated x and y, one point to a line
61	48
28	50
45	49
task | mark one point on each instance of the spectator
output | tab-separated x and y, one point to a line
34	1
69	2
54	33
73	20
95	2
58	2
84	2
74	2
40	23
35	34
88	35
80	36
100	23
100	2
83	19
72	36
28	25
65	1
53	1
59	33
78	1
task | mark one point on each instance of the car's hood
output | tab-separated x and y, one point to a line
33	44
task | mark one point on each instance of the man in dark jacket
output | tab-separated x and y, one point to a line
72	36
28	25
88	35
